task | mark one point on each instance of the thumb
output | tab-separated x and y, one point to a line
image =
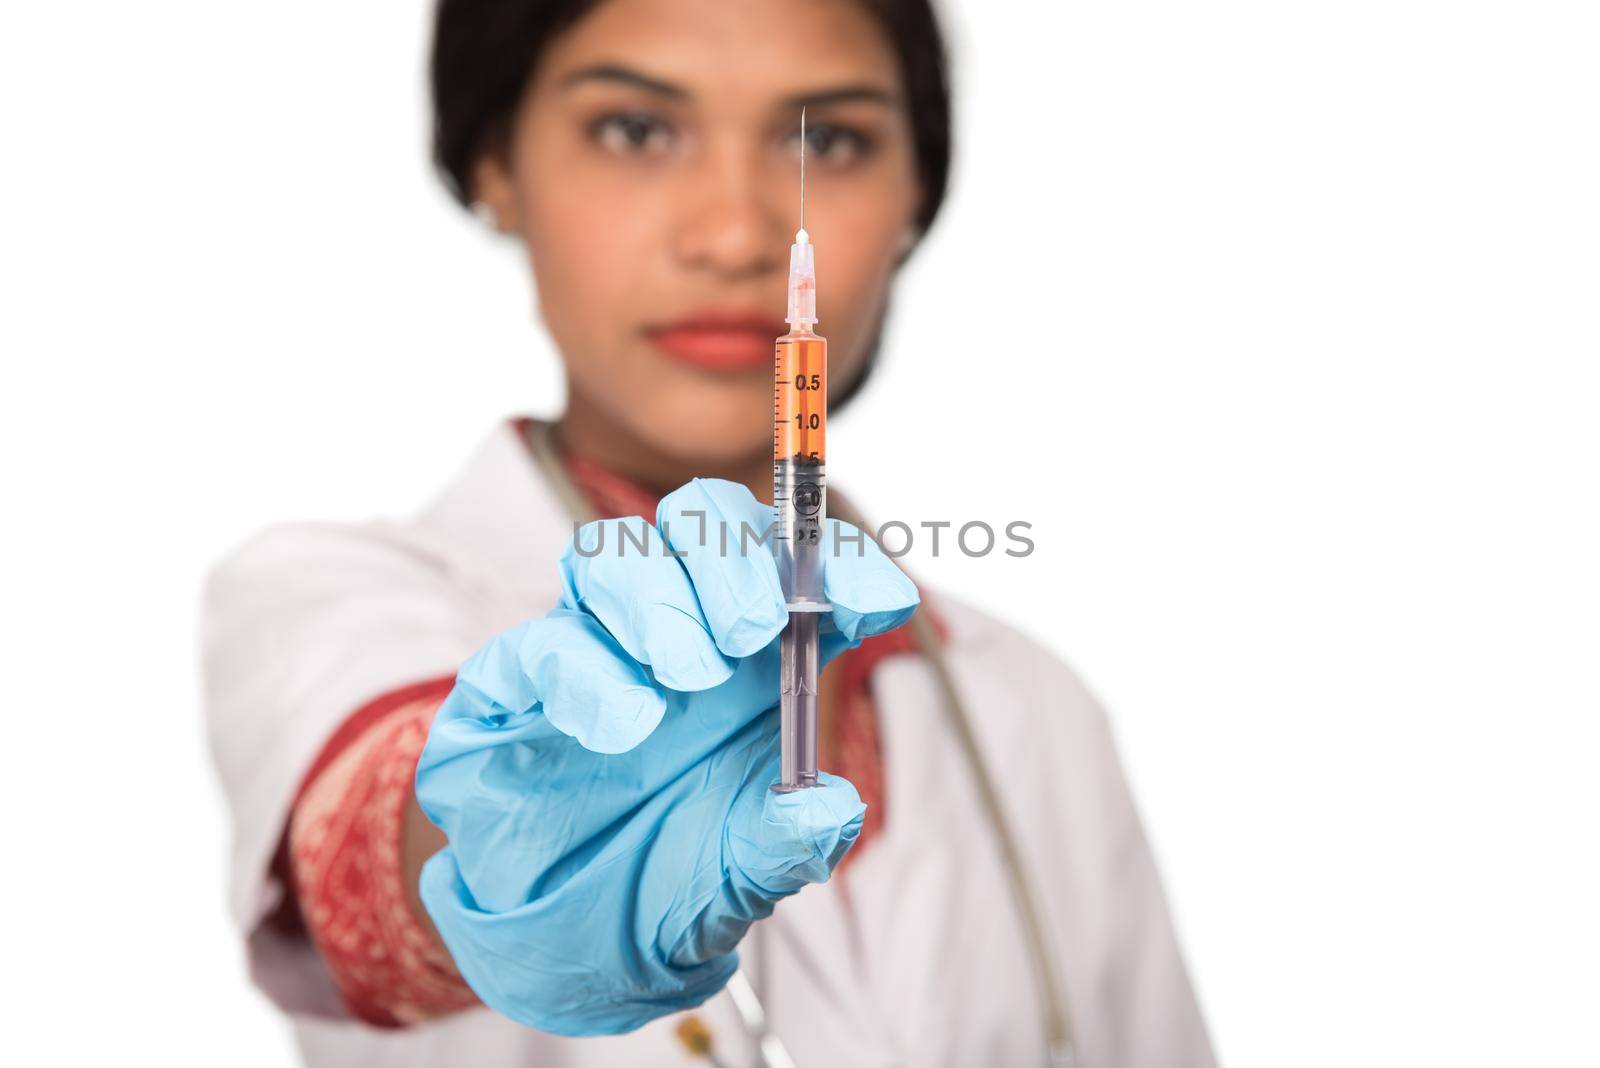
798	837
774	845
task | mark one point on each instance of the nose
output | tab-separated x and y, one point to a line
731	228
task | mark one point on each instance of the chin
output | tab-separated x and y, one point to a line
714	431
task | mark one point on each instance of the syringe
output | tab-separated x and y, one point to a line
800	501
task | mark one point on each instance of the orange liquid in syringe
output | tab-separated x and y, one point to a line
800	398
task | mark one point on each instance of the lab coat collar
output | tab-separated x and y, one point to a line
501	510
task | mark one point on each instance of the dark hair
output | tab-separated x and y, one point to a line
485	51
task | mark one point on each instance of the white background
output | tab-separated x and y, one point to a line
1278	320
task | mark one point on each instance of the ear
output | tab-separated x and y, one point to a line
493	188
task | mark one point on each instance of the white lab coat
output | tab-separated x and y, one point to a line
925	964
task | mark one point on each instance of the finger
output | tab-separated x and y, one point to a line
869	594
718	527
587	684
798	837
495	672
618	571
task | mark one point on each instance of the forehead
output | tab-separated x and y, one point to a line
757	52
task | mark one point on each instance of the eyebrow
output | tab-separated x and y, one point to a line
617	74
844	94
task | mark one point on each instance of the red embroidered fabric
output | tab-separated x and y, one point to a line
343	847
344	852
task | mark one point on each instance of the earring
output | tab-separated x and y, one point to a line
486	215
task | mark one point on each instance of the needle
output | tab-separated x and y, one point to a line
802	168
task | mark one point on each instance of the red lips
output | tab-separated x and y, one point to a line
719	340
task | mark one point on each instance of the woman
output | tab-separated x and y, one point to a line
589	867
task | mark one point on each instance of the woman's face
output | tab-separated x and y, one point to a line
653	173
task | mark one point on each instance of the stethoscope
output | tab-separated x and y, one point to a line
741	991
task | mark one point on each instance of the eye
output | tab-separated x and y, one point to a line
832	143
632	133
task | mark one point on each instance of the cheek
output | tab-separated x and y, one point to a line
585	257
855	276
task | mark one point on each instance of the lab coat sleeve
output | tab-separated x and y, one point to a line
1051	745
301	626
1135	1005
1150	1004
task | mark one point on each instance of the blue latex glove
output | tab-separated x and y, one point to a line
603	773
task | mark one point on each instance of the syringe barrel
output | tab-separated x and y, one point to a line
800	508
799	464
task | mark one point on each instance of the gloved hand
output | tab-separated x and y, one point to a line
603	773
